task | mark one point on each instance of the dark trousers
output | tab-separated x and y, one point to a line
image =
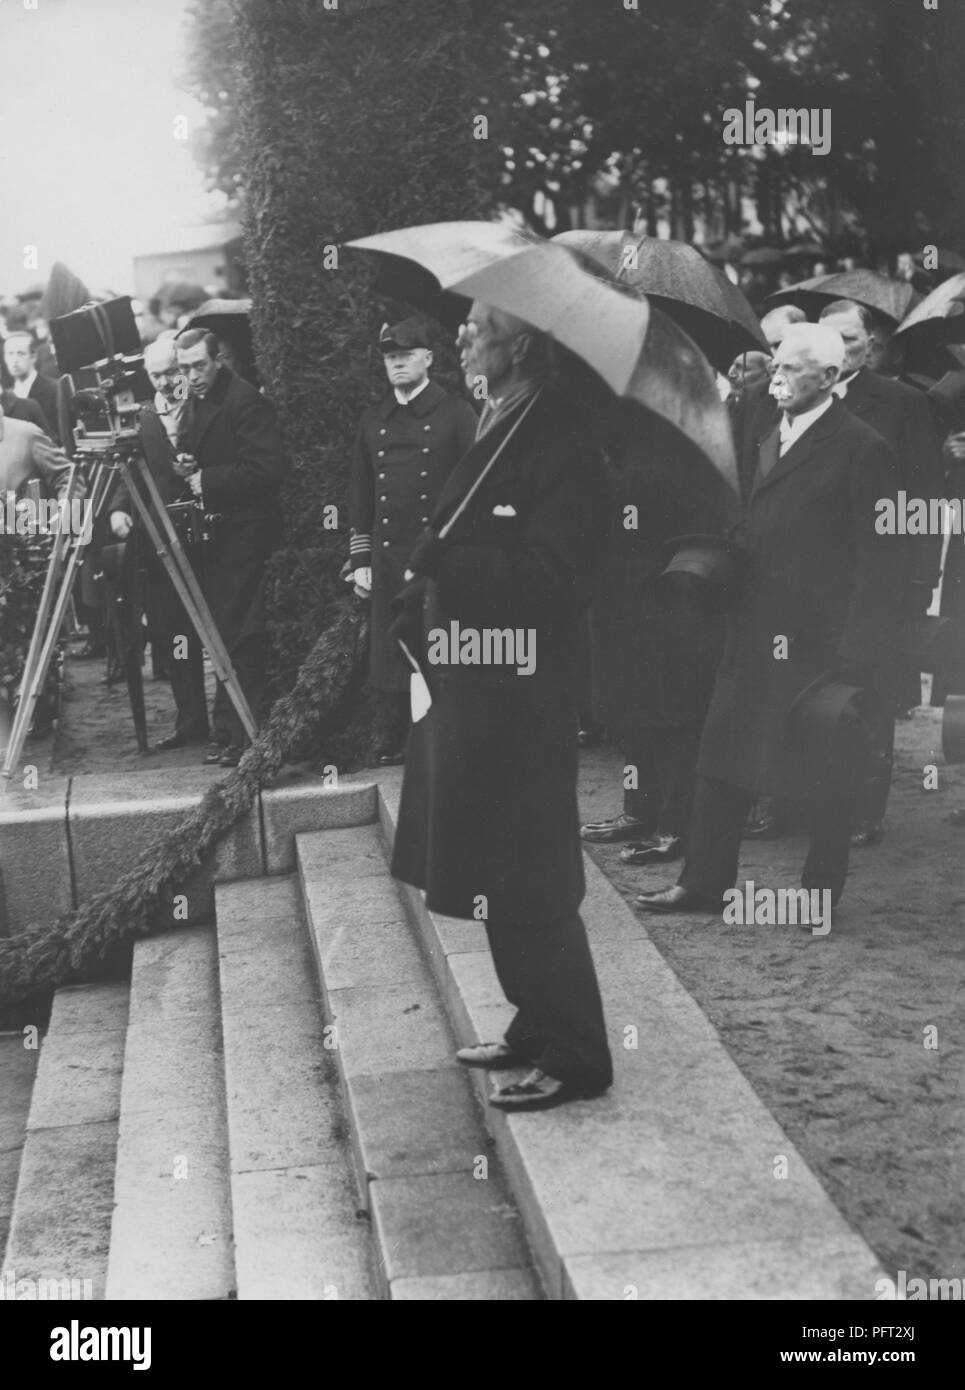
877	786
249	657
717	822
183	661
546	971
396	705
666	763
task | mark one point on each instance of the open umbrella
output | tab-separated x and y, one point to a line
889	298
638	351
941	313
677	279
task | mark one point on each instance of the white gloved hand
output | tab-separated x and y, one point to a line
363	577
121	525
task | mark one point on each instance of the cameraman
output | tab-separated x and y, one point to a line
183	659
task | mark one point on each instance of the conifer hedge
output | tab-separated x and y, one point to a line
355	120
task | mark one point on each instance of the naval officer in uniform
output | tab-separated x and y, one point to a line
407	446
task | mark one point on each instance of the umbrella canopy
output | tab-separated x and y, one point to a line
889	298
678	280
941	313
636	350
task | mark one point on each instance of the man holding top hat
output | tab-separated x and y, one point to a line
820	608
407	445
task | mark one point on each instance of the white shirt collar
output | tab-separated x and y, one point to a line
840	388
793	426
22	388
404	400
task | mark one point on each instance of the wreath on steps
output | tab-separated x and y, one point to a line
43	957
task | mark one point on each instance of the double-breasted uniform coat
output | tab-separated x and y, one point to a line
403	456
821	577
488	811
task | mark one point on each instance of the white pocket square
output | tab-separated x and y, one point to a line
504	511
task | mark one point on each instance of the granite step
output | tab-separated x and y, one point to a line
171	1232
61	1219
678	1183
443	1221
18	1067
298	1229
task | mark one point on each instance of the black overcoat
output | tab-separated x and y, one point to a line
233	435
403	456
822	577
650	669
488	821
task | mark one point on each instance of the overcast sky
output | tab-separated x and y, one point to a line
90	171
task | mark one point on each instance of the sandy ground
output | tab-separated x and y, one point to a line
830	1031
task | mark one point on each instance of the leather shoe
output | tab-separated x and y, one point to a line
389	757
231	756
607	832
177	740
496	1056
675	899
659	849
213	752
537	1091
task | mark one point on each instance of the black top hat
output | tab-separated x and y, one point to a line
709	565
825	709
953	729
929	643
400	337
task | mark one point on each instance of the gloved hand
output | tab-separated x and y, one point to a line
363	577
121	525
427	556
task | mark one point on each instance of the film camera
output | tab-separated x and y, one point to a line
99	349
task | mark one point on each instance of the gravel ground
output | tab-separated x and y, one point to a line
830	1031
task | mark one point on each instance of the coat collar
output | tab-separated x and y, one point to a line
803	447
199	415
425	402
472	463
863	391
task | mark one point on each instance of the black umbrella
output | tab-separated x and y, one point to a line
888	298
677	278
230	320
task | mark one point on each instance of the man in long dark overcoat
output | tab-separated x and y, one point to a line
236	464
488	821
823	597
652	664
407	445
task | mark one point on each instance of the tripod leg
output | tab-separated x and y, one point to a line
171	554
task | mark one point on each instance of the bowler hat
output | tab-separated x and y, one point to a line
953	729
400	337
929	643
715	568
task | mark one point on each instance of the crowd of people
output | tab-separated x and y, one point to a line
751	690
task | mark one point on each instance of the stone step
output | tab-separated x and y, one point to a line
678	1183
18	1066
442	1218
171	1232
298	1230
61	841
61	1220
